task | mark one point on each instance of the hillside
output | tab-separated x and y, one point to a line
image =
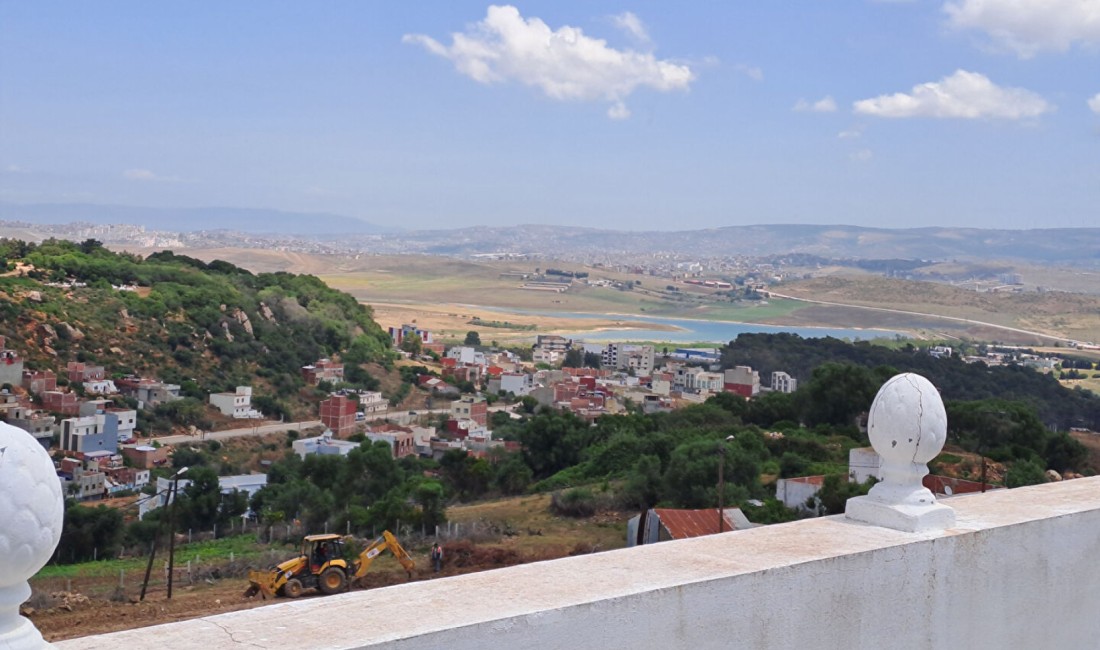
207	327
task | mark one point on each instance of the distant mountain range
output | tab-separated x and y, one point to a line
249	227
1039	245
250	220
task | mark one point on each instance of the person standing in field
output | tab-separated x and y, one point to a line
437	556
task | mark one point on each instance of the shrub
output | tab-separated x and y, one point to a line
577	502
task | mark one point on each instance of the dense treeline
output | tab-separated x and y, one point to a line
367	488
1056	406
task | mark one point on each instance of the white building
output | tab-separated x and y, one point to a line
100	387
372	402
324	445
796	492
621	356
237	405
783	383
467	356
864	463
518	384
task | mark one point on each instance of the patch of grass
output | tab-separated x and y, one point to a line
240	546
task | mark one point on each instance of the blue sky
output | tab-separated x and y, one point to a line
638	115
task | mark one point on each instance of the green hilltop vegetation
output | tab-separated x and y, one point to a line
208	327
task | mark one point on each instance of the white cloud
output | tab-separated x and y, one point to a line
145	175
631	24
824	105
1027	27
968	95
564	64
852	133
1094	103
618	111
863	155
750	71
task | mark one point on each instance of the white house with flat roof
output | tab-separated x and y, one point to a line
237	404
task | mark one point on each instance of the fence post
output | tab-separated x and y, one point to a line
188	535
215	531
121	578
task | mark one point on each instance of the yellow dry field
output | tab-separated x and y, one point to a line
452	322
1059	314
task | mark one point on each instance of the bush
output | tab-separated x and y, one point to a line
578	502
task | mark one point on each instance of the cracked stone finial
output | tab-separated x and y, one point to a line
908	427
31	509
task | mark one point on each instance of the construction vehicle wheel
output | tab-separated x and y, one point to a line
332	580
292	588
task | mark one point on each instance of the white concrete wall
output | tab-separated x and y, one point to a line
1019	570
794	494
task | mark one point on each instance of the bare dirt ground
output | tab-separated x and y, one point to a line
490	535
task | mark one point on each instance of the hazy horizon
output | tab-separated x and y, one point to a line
639	116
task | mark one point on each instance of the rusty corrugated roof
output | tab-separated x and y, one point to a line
682	524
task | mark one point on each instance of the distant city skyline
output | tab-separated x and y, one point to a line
634	116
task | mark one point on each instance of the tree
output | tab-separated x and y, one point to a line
200	502
1025	472
643	483
835	491
89	533
513	476
691	480
412	344
429	496
574	358
472	338
838	392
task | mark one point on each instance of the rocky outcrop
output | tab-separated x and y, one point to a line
242	318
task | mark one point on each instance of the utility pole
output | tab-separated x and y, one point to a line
722	483
172	529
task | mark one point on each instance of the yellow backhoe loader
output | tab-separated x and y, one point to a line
321	565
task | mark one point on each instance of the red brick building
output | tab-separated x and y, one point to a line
338	414
39	381
471	408
56	401
323	370
80	372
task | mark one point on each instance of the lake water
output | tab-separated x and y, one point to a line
703	330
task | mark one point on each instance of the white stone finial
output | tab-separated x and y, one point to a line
908	427
32	509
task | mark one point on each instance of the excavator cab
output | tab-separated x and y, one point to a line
321	551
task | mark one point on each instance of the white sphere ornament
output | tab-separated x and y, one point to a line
32	509
907	425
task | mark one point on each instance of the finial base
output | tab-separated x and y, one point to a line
16	632
903	517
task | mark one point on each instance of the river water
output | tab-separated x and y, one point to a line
691	330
